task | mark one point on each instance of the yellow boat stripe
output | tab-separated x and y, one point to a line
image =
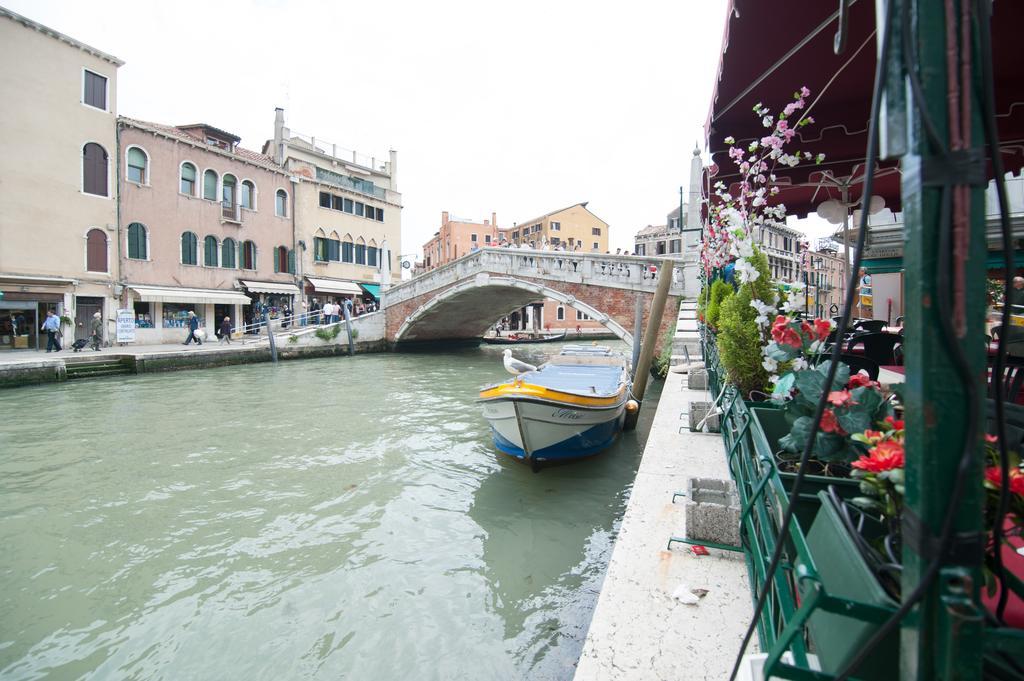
540	392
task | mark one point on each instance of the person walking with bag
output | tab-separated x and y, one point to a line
97	331
225	330
51	325
193	326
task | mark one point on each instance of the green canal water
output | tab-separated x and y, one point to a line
343	518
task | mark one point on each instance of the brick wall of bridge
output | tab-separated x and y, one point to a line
617	303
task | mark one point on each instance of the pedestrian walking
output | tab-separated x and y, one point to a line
225	330
193	326
51	325
97	331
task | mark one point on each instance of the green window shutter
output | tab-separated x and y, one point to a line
210	185
210	251
277	259
227	254
291	261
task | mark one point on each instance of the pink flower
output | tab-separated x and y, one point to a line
991	439
829	423
736	153
839	397
804	92
884	457
859	380
995	476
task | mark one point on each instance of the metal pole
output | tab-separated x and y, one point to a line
845	194
270	336
638	322
650	342
348	329
943	638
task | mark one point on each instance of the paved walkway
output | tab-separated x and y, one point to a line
639	629
9	357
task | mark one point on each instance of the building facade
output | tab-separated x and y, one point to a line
574	227
662	240
826	287
58	222
206	226
457	237
348	217
782	246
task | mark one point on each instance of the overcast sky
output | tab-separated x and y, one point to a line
514	107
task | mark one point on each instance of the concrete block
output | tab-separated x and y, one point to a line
697	380
713	511
698	410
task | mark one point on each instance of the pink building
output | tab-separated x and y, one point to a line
457	238
205	226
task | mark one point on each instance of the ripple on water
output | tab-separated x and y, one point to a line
338	518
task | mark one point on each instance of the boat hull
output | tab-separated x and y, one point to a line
543	431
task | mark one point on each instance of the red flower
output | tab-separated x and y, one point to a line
991	439
829	423
839	397
994	475
790	338
896	424
779	327
874	435
807	330
859	380
822	328
883	457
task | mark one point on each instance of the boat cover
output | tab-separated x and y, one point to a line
579	379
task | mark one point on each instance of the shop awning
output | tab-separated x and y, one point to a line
335	286
155	294
994	261
271	287
372	289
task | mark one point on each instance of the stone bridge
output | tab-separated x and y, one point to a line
462	299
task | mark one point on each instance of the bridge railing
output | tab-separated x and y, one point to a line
636	273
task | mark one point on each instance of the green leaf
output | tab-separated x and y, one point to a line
785	384
810	383
796	440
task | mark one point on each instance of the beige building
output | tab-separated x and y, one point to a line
825	282
58	210
206	226
456	238
348	219
574	227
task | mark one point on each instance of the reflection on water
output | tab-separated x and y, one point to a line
336	518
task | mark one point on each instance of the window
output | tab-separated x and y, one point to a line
189	249
96	251
227	253
371	256
472	237
597	246
210	185
661	248
515	234
319	249
95	90
349	206
337	202
556	226
228	194
247	256
248	195
210	251
281	203
555	241
137	241
380	215
560	314
359	209
333	250
641	249
675	246
291	261
673	223
137	165
360	254
596	231
281	259
487	238
325	200
94	169
143	315
347	254
582	316
188	179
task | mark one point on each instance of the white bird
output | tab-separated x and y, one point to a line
514	366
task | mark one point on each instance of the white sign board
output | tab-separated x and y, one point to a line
126	326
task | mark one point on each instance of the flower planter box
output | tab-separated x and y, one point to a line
845	574
772	426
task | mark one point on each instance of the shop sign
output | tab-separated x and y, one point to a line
126	326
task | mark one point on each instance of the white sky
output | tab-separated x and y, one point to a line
514	107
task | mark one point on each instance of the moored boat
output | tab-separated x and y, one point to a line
571	407
520	338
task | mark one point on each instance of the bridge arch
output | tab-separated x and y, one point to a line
473	305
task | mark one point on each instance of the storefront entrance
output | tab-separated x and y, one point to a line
19	325
85	308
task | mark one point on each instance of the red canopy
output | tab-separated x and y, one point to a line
758	65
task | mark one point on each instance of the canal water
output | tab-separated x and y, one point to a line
343	518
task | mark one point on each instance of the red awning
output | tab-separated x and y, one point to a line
758	66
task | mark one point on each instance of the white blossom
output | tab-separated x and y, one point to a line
730	140
770	365
799	364
746	272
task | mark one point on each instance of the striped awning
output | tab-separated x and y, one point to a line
335	286
270	287
157	294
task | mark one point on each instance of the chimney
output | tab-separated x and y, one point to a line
444	217
494	219
279	135
393	169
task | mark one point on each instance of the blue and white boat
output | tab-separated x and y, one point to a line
572	407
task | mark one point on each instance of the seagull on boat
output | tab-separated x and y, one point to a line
514	366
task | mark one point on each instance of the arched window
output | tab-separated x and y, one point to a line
210	185
188	179
189	249
138	166
228	195
94	169
210	251
248	255
360	252
281	254
347	251
227	253
137	247
371	253
248	195
96	251
281	203
560	315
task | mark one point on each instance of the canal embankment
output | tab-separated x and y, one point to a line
668	613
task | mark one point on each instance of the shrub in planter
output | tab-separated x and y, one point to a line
740	337
720	291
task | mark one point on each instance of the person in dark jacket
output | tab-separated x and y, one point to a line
97	331
225	330
193	326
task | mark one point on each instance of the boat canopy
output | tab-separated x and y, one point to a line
595	381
